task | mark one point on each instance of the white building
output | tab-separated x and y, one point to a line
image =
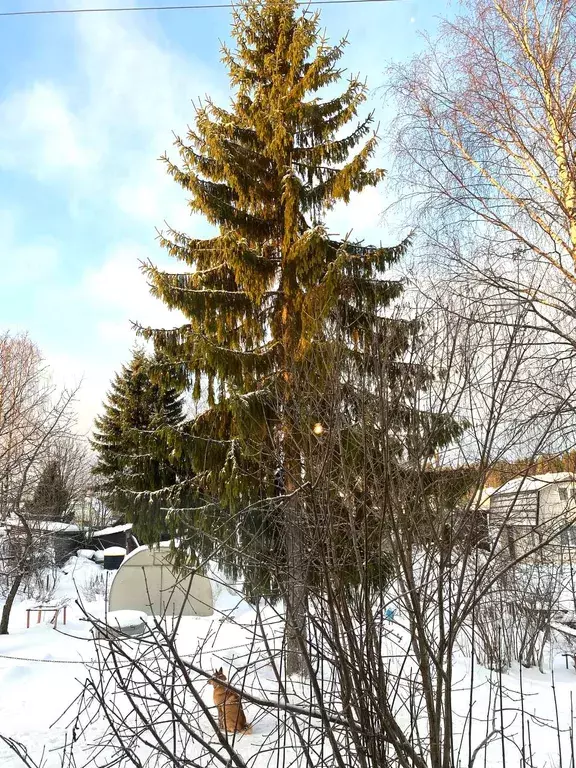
535	509
90	512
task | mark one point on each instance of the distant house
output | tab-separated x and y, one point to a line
91	512
532	510
64	538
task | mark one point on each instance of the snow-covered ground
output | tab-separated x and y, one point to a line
42	671
40	667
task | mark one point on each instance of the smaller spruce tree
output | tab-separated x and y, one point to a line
52	496
131	452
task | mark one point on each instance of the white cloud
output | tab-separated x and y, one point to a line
148	195
24	263
116	332
89	377
39	132
117	290
361	218
153	199
139	92
120	289
140	199
110	120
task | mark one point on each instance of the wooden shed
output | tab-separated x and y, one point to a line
114	536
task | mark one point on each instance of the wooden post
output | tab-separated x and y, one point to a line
55	611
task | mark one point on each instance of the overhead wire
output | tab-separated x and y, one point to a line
194	7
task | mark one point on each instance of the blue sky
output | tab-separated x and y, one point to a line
87	104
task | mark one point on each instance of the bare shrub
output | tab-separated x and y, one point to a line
95	587
34	419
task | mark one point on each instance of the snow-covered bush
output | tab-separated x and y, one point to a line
94	587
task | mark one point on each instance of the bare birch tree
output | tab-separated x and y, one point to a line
486	138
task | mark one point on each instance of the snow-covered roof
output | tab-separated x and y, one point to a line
113	529
482	496
50	526
535	482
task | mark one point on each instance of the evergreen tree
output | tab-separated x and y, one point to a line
260	293
130	448
273	289
51	500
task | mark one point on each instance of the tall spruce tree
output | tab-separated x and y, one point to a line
130	448
273	288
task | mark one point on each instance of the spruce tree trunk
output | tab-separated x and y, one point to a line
5	620
297	592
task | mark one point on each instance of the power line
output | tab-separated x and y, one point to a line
42	661
62	11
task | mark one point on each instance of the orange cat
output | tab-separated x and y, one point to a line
231	717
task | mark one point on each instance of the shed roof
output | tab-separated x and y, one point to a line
531	483
49	526
113	529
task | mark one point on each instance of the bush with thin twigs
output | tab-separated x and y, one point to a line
94	588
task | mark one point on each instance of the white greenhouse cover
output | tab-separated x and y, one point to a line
146	582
